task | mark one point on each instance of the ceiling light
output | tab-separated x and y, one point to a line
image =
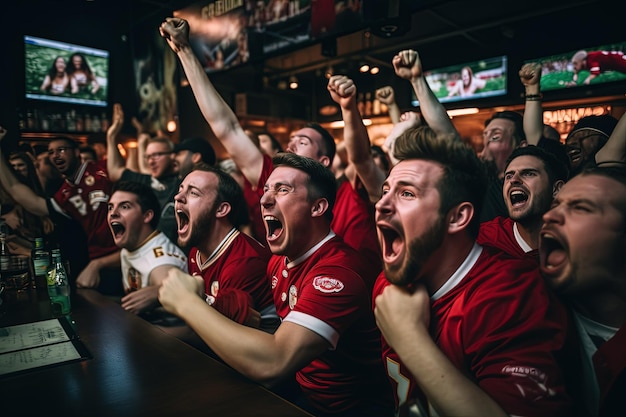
293	82
374	70
364	67
329	72
340	124
462	112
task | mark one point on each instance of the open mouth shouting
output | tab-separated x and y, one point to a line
118	230
552	254
518	197
274	228
392	243
182	219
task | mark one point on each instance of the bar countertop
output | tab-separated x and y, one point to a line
135	369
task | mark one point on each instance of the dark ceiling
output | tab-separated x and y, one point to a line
444	32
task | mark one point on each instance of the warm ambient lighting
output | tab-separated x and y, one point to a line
329	72
171	126
339	124
374	70
364	67
462	112
293	82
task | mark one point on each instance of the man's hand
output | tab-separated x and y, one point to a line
342	90
178	287
530	74
407	64
176	32
141	300
386	95
117	121
400	311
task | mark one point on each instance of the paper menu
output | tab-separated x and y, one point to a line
33	345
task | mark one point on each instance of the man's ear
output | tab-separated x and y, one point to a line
460	216
325	160
148	216
557	187
319	207
196	157
223	209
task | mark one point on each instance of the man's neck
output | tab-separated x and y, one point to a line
529	231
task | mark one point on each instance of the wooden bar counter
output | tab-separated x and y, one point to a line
135	369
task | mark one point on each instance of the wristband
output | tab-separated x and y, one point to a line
533	97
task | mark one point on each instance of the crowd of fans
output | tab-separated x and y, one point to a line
417	278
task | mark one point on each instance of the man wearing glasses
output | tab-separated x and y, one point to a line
83	196
159	157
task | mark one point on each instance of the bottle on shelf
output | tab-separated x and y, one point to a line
41	263
58	285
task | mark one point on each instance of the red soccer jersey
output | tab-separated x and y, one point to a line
504	330
328	291
601	61
86	200
240	262
353	216
498	233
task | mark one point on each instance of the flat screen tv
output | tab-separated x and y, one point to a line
50	75
468	81
584	67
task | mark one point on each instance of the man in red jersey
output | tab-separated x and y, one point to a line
353	217
83	196
582	258
596	62
469	328
532	177
327	337
209	210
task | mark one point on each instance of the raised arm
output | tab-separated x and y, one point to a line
530	76
216	111
142	142
21	193
115	161
387	96
343	92
614	150
408	65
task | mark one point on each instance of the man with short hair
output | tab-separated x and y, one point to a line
146	253
582	257
321	287
209	211
465	327
532	178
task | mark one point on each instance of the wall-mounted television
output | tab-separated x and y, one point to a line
64	72
584	67
468	81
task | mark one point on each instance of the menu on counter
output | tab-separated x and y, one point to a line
38	344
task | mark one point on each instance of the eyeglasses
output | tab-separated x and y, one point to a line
156	155
60	150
